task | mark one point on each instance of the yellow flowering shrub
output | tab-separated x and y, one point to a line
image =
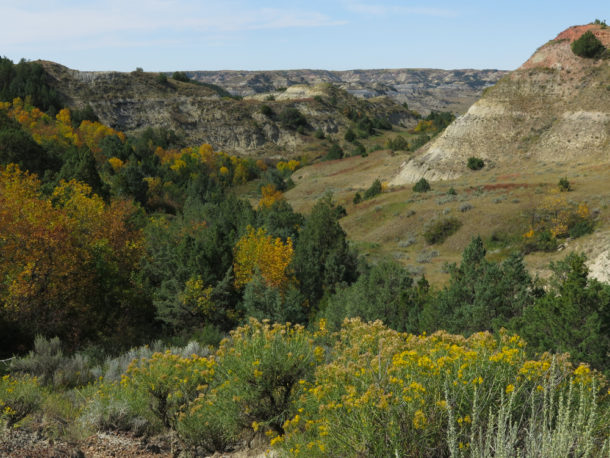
171	381
394	393
269	196
267	367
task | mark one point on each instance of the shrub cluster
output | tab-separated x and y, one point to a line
373	190
475	163
422	186
554	219
398	143
250	383
441	229
564	185
292	118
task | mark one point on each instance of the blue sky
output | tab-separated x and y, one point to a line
167	35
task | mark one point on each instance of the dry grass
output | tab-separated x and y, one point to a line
501	200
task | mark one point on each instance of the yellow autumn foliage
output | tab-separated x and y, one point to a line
270	195
259	251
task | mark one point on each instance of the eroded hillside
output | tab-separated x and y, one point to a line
554	108
423	89
131	102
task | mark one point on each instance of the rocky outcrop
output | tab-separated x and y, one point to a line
554	108
423	90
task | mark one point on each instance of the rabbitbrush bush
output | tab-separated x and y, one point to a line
19	397
385	393
249	384
260	372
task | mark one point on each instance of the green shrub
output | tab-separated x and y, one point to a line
291	118
162	78
383	292
84	114
380	123
115	406
452	191
564	185
60	416
357	198
266	110
419	141
335	152
588	46
265	366
421	186
578	227
181	76
440	230
264	302
398	143
373	190
543	240
475	163
349	136
19	397
360	149
319	134
48	363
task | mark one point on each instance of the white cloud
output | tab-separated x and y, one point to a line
68	22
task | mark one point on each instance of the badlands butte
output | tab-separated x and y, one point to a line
547	120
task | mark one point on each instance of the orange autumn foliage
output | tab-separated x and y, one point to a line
50	250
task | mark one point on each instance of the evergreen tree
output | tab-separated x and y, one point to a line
17	146
574	317
482	295
383	292
322	257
